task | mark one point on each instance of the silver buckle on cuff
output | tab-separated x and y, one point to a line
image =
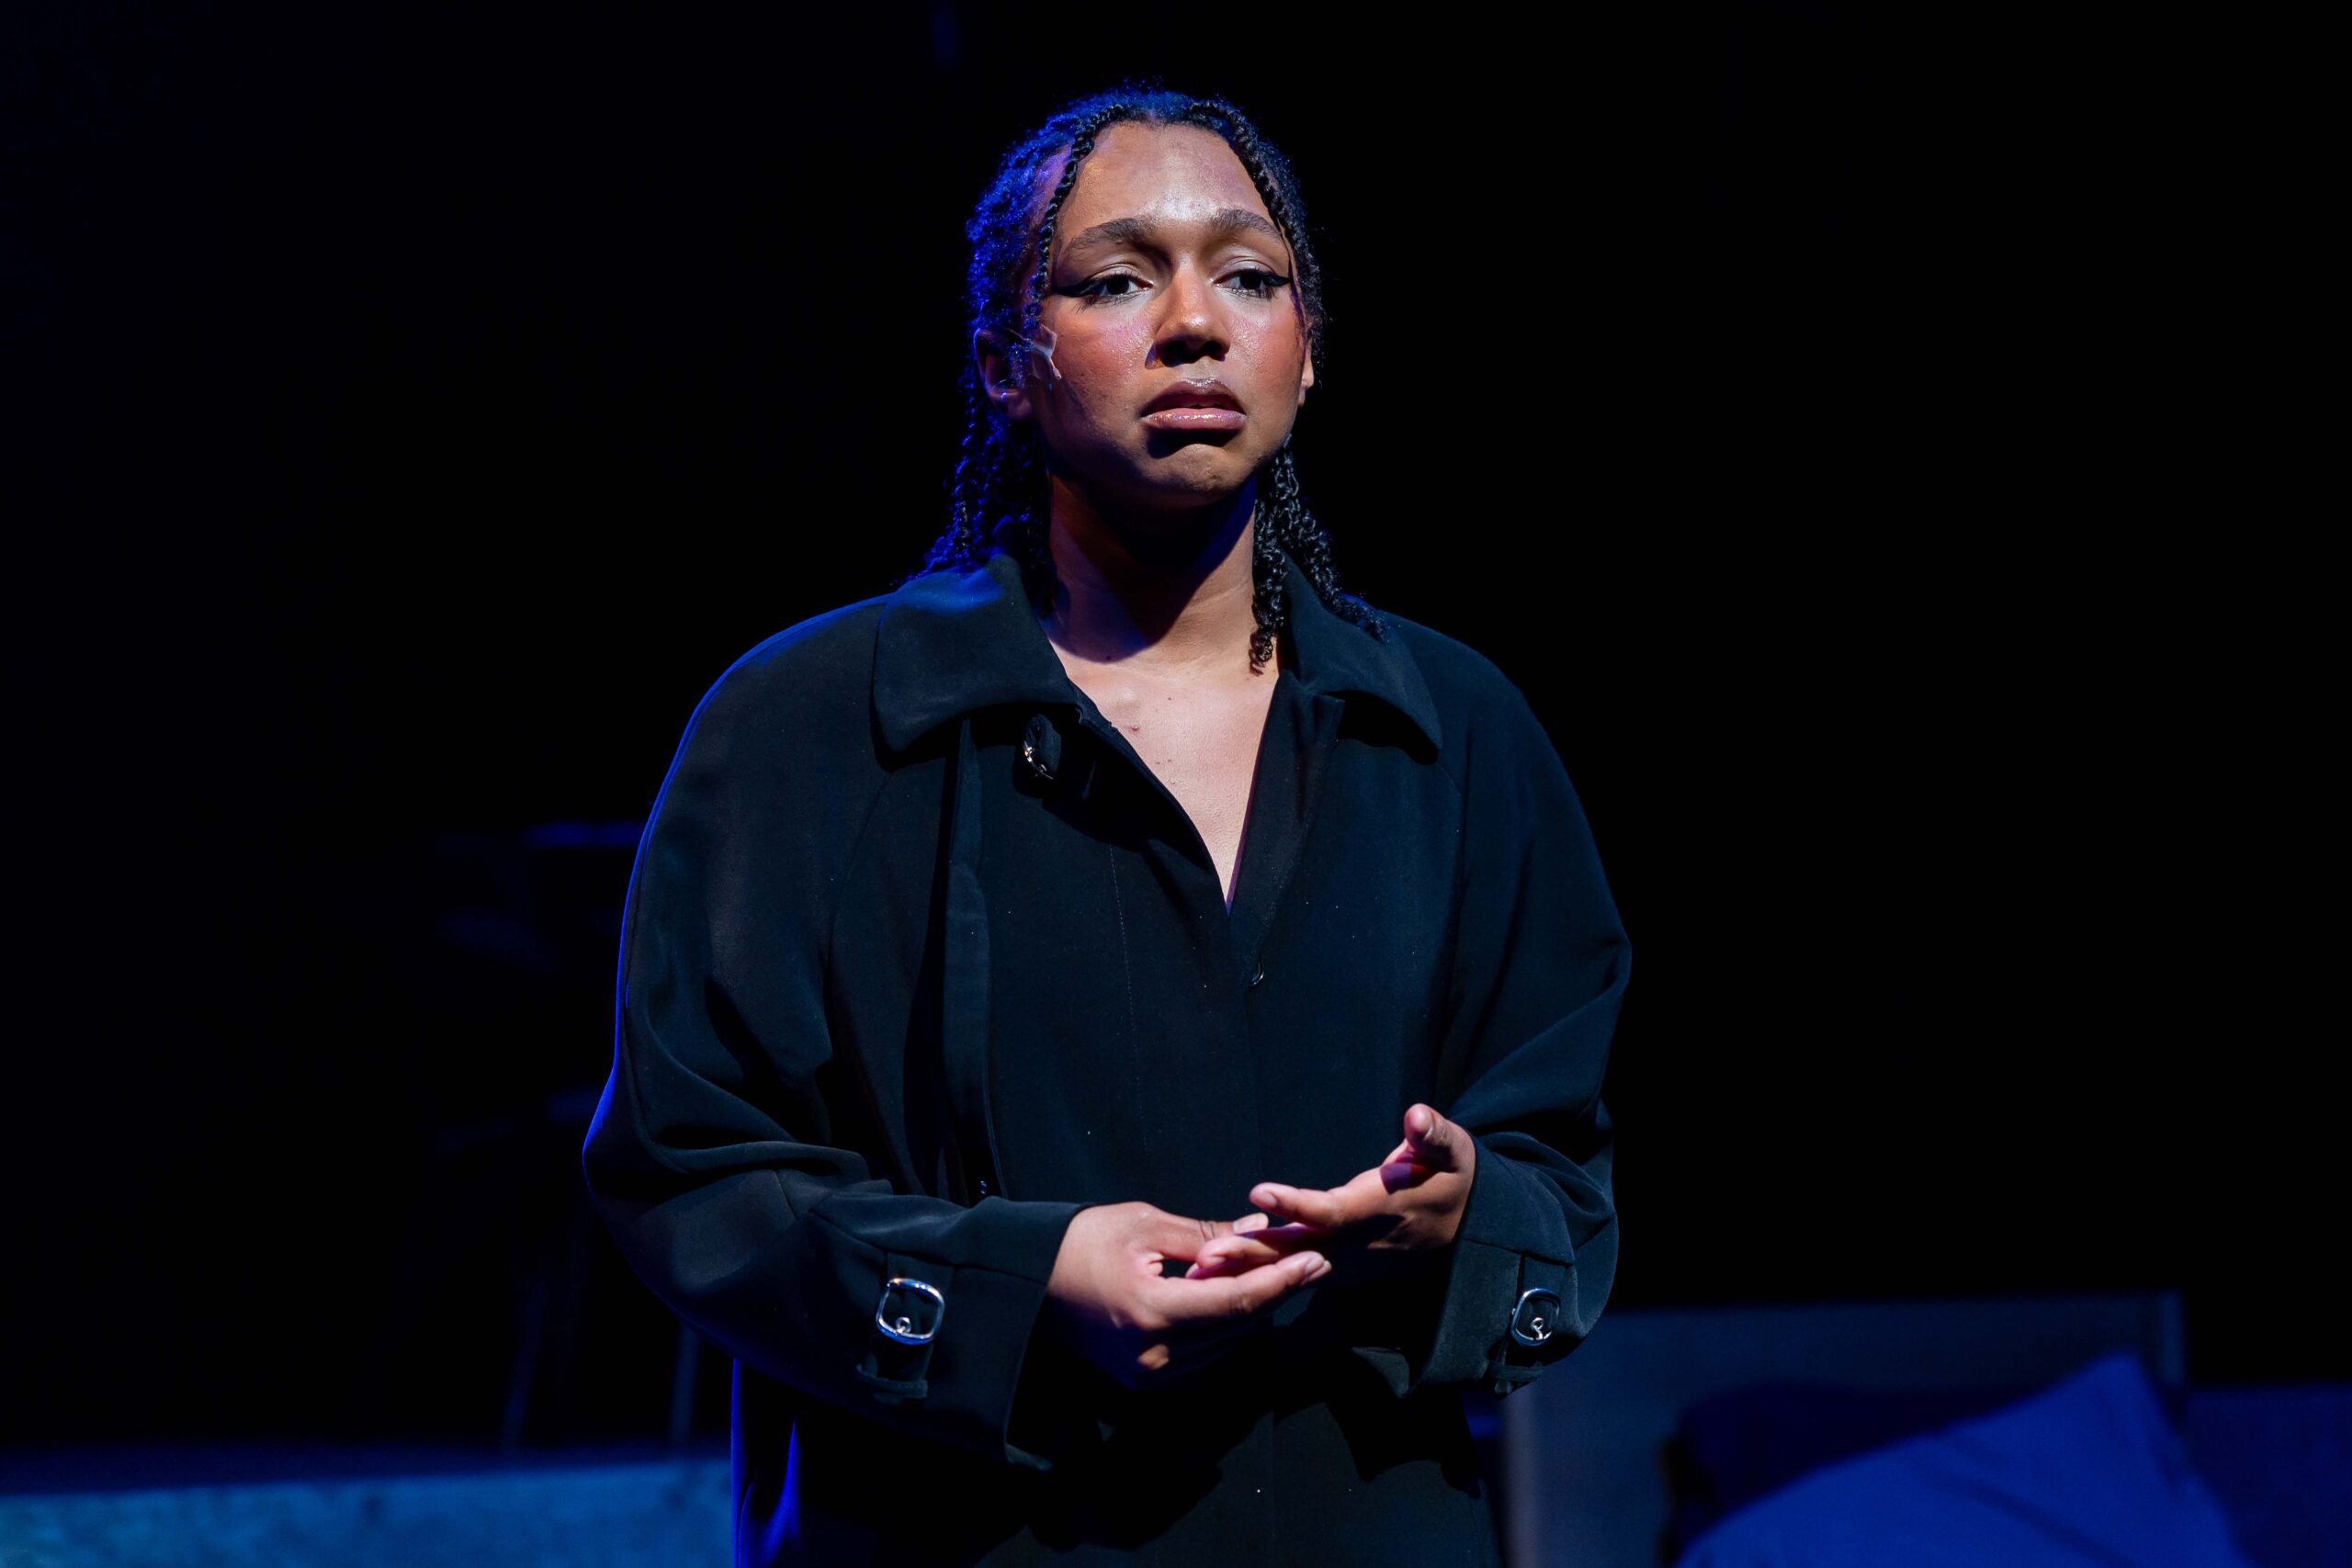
1540	1323
899	1326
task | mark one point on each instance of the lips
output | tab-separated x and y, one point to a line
1194	395
1196	408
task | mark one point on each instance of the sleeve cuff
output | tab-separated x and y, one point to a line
1512	1236
990	1349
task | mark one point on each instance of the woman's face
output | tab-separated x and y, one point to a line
1181	344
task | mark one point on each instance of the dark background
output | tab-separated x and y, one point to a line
419	405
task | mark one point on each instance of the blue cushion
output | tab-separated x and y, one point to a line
2087	1471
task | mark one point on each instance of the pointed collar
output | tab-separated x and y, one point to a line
951	642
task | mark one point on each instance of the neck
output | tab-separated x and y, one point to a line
1171	593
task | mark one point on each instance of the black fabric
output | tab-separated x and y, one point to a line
920	959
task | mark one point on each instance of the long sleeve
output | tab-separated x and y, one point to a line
718	1158
1540	972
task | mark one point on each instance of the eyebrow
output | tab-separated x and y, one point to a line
1227	221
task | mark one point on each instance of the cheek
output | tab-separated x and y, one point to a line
1106	362
1270	351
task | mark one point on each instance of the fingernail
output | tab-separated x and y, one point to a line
1321	1267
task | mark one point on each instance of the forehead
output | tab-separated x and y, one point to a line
1177	172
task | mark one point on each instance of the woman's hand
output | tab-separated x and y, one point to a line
1114	1306
1411	1202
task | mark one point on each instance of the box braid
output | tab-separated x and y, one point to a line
997	495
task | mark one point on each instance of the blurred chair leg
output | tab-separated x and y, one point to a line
1523	1479
682	1389
527	1360
557	1376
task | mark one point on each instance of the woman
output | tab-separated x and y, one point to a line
1111	1033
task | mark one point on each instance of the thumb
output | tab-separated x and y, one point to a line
1433	1140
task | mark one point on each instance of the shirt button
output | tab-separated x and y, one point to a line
1041	746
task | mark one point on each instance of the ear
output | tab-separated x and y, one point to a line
995	366
1305	378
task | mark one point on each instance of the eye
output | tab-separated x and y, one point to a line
1103	288
1259	283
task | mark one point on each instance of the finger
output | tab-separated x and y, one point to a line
1227	1268
1267	1244
1238	1295
1362	1199
1163	1363
1307	1205
1252	1220
1402	1170
1181	1236
1432	1140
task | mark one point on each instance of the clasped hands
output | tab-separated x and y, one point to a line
1120	1309
1412	1201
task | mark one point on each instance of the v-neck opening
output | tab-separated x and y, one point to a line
1246	854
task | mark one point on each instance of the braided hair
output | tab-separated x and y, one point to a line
997	496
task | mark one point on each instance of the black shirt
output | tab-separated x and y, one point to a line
919	958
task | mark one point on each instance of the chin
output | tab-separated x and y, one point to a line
1201	469
1195	475
1190	493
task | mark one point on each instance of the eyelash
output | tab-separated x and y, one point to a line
1089	290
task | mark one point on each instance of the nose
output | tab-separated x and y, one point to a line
1190	326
